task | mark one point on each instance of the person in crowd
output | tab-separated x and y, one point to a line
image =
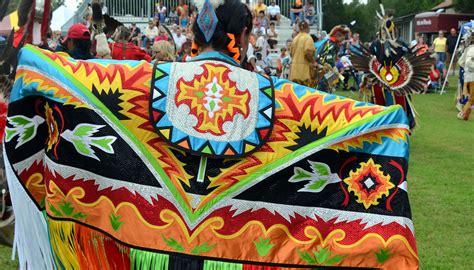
183	13
434	82
421	46
303	56
105	10
274	12
451	43
173	16
296	11
414	42
309	12
261	63
135	33
78	42
466	61
282	55
164	51
150	34
261	44
186	51
439	46
179	39
260	6
272	35
263	20
161	11
249	62
355	46
162	35
122	49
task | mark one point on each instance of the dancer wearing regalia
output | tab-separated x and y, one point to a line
201	165
326	53
466	62
393	70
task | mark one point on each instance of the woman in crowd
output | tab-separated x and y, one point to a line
296	11
164	51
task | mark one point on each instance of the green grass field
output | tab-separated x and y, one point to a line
441	185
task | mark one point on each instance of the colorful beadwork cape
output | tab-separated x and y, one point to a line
200	165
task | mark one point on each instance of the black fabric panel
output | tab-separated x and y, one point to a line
177	262
124	164
277	189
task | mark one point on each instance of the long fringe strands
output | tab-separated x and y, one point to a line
140	259
98	251
215	265
31	230
63	244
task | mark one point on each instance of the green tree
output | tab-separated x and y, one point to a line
466	6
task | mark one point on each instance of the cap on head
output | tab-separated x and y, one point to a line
79	31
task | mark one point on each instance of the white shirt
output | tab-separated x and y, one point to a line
161	10
179	41
273	10
262	44
250	53
151	33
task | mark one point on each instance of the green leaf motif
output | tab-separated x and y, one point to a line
172	243
300	175
202	248
104	143
79	215
85	130
19	120
306	257
199	94
316	185
66	208
55	211
263	246
83	148
320	168
322	257
383	255
115	221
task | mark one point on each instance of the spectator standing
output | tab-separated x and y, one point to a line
421	46
173	16
451	42
183	13
272	35
260	6
273	12
302	54
309	12
161	10
150	34
296	11
179	39
439	46
355	44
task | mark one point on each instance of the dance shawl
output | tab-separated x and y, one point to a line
200	165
